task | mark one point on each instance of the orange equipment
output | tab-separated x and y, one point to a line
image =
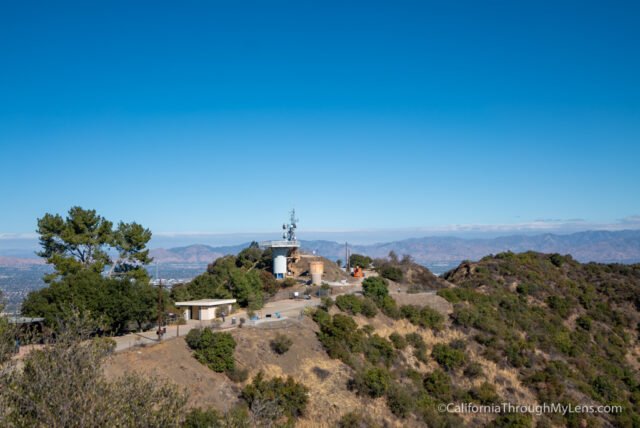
358	272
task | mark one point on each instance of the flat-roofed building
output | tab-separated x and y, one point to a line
206	309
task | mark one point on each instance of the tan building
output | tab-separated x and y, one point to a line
206	309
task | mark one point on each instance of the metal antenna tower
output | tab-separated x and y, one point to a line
290	229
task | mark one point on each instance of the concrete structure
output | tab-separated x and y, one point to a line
206	309
316	269
282	249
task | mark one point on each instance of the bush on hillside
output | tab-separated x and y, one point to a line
424	317
281	344
375	288
392	273
276	398
398	341
447	356
373	382
215	350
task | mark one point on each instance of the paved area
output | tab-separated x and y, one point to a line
287	308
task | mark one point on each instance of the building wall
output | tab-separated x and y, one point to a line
206	313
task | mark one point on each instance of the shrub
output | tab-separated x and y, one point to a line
237	375
473	370
438	384
448	357
288	283
193	338
356	420
199	418
411	313
373	382
485	394
389	307
392	273
513	420
561	306
368	329
340	336
584	322
349	303
378	349
327	303
215	350
398	341
415	340
369	308
281	344
375	288
424	317
321	317
279	396
400	402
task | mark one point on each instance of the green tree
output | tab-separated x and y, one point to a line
78	247
75	243
359	260
130	240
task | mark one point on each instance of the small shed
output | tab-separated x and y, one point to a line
206	309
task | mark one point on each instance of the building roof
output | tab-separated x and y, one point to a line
206	302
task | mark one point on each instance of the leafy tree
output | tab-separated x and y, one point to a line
130	240
359	260
249	257
78	247
76	242
228	277
114	302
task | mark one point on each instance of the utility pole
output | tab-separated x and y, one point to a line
160	332
346	256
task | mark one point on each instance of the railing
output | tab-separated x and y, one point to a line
281	243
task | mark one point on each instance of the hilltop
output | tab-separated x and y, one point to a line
525	328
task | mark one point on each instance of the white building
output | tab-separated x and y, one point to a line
206	309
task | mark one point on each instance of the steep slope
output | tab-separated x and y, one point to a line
570	329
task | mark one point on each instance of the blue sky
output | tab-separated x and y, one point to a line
218	117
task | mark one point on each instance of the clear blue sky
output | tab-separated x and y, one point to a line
220	116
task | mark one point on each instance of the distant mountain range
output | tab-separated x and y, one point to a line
599	246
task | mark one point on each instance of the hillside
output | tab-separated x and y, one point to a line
525	329
569	329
